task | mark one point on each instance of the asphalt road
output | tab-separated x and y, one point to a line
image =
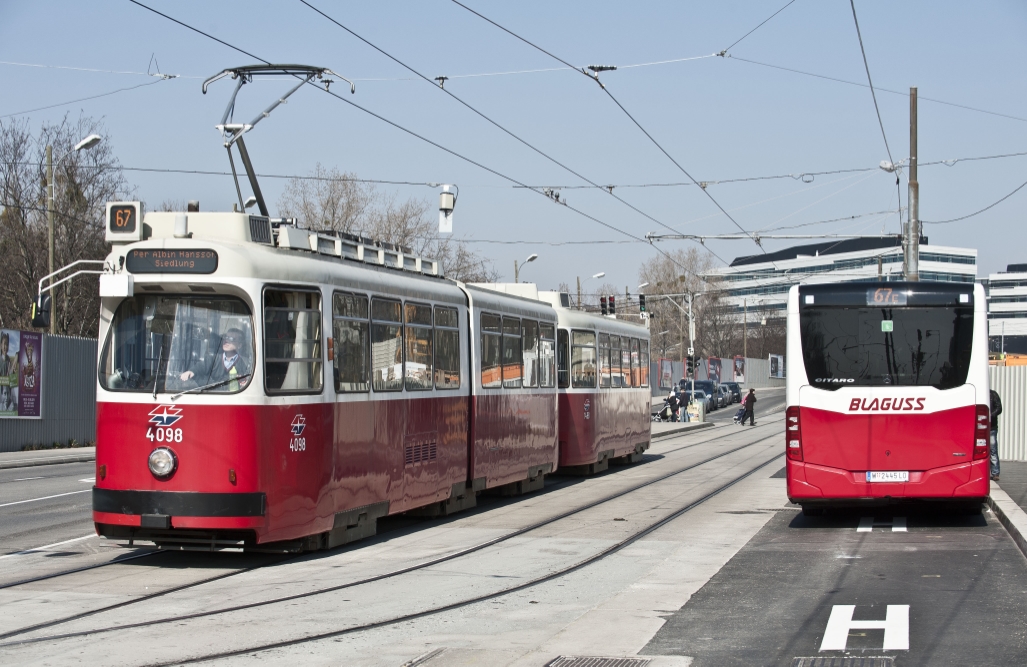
960	581
43	505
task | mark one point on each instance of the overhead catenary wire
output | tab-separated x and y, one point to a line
491	121
595	76
767	20
975	213
421	137
82	99
99	71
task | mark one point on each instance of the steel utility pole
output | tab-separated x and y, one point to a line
911	267
579	292
49	228
745	328
517	270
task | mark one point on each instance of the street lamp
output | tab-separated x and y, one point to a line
517	267
85	144
642	286
598	275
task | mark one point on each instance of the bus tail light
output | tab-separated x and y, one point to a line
982	432
793	433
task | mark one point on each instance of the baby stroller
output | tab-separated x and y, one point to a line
737	419
665	414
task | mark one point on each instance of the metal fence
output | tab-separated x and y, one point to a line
1011	384
68	397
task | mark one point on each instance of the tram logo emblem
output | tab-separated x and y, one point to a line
165	415
299	422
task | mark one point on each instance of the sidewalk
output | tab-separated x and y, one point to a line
660	430
46	457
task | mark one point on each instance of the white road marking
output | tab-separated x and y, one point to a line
895	626
25	479
89	480
48	546
867	524
32	500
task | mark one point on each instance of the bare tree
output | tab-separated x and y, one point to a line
670	278
85	181
333	200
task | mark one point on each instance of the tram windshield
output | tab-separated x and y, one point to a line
178	343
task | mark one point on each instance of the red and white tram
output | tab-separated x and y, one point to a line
265	386
887	394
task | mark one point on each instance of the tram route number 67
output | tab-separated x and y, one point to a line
164	434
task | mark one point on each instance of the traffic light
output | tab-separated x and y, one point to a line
641	303
613	305
602	304
690	365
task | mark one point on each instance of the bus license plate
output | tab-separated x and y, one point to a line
888	476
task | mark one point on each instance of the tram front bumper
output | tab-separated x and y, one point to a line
177	509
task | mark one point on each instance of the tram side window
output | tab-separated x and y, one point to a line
447	348
563	359
583	359
491	351
386	345
643	354
419	346
513	361
351	336
625	362
529	347
547	355
636	374
604	360
292	342
615	359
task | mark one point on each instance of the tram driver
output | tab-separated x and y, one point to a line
233	367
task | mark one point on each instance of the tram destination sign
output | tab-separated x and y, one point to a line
163	260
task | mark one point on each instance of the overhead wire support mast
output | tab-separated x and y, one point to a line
549	192
594	75
420	137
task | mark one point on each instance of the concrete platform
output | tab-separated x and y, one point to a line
46	457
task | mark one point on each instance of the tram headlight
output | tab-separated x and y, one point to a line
163	462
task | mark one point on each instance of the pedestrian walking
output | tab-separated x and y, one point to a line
750	407
675	404
996	410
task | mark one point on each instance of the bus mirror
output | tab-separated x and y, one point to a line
41	311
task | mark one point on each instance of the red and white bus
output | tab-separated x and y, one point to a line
887	394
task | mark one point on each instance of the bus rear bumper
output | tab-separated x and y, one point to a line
810	483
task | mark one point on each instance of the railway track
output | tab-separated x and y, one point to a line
394	573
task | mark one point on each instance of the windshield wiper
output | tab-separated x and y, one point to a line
210	386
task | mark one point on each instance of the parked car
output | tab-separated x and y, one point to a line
707	386
700	397
724	396
736	391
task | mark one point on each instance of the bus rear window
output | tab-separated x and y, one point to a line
877	347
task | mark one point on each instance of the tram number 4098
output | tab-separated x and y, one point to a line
167	434
298	444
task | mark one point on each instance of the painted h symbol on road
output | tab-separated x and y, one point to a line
895	626
868	523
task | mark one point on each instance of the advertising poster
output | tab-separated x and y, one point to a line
777	366
20	373
714	368
738	375
666	373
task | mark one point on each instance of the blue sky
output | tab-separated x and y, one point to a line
720	118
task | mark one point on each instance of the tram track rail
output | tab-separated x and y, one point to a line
84	568
367	580
609	551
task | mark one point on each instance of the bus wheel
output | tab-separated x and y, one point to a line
812	511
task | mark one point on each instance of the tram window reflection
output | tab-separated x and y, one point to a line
513	362
636	375
173	343
292	342
563	359
616	372
491	351
418	346
604	360
547	355
447	348
583	359
643	354
352	338
625	362
386	345
529	348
